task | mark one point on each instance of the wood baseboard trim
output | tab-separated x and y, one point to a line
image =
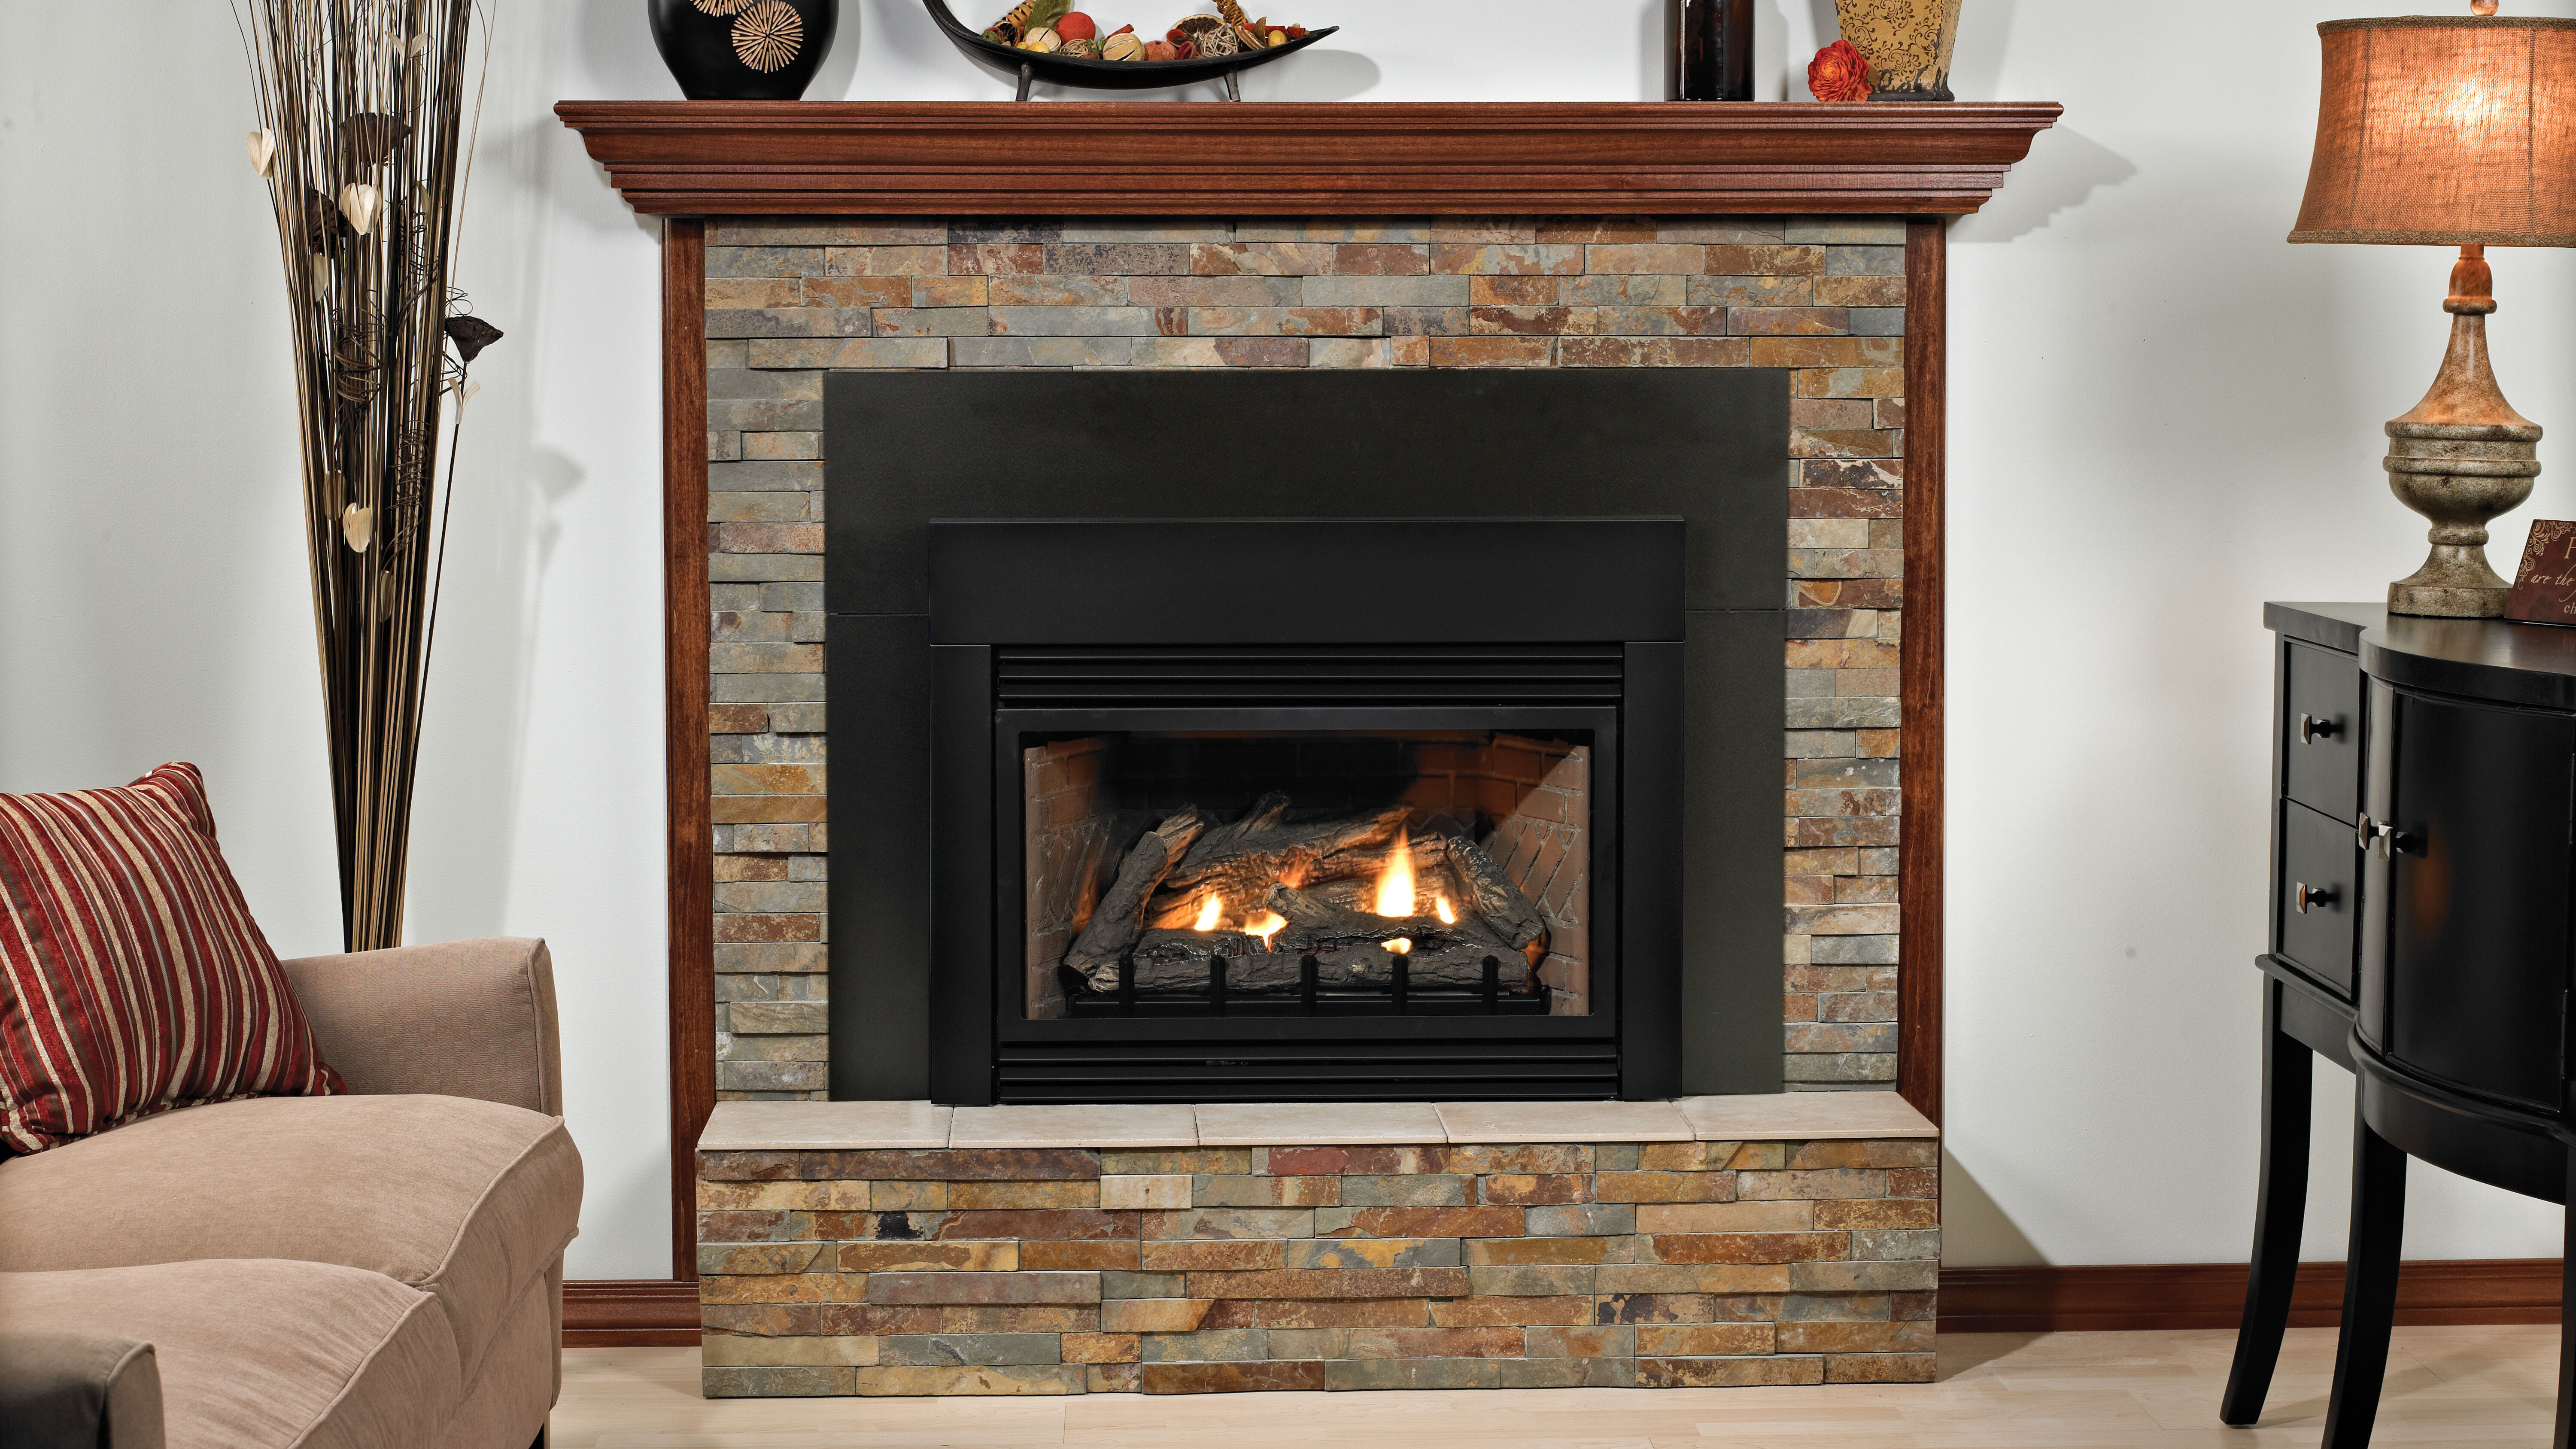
630	1313
2212	1295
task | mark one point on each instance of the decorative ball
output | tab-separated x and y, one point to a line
1123	46
1073	25
1042	40
1160	50
1084	49
1838	73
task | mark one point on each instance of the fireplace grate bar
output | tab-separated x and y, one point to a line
1213	1073
1413	695
1318	654
1500	1086
1203	1004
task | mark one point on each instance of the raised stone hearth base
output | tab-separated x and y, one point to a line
908	1249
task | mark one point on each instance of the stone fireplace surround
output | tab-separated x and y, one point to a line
1005	1298
789	299
707	167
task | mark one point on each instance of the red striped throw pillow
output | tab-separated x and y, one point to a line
132	978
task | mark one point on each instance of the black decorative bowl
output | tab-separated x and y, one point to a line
754	50
1109	75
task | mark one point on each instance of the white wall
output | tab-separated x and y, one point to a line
2161	416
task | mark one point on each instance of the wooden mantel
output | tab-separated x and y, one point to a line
734	158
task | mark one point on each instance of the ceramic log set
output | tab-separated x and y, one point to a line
743	50
1908	45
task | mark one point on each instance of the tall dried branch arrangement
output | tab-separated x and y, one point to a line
365	144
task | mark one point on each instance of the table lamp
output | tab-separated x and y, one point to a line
2451	130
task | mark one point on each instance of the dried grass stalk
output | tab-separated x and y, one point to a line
365	139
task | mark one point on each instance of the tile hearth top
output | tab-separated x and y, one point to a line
1134	1125
1810	1116
826	1126
1564	1122
822	1126
1319	1124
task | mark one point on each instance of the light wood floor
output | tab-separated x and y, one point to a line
2466	1386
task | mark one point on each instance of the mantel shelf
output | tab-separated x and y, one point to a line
753	158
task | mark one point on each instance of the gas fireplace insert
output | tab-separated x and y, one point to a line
1228	799
1297	844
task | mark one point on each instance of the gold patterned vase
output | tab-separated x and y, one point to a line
1907	44
743	50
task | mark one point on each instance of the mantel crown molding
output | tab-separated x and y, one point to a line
759	158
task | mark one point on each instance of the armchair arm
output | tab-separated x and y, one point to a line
79	1390
461	1019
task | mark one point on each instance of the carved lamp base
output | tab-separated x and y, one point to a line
2460	458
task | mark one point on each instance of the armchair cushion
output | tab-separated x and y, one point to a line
263	1355
468	1202
132	978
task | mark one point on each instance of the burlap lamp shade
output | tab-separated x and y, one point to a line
2450	131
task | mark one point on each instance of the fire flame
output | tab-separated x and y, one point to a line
1210	914
1265	924
1395	883
1448	917
1400	945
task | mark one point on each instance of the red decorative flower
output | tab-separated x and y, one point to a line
1838	73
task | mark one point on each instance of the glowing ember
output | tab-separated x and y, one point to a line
1210	914
1401	945
1265	924
1448	916
1395	883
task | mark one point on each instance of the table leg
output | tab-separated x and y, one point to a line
2369	1286
2280	1209
2567	1341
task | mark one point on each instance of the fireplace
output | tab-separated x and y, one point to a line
1422	747
1350	848
1307	247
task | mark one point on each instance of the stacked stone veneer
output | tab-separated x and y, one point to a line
790	299
1199	1270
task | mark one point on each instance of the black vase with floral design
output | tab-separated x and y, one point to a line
743	50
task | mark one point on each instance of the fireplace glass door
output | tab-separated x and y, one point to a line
1407	863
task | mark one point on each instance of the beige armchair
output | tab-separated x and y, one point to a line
380	1268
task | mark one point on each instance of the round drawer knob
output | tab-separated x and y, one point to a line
2308	895
2313	729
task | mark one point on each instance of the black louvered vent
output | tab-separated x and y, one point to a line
1500	675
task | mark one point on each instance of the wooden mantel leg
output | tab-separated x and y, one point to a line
1918	856
691	842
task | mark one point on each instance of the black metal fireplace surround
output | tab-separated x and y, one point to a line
1305	735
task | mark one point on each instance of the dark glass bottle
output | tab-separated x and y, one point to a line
1712	50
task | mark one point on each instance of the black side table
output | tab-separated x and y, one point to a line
2435	919
2308	972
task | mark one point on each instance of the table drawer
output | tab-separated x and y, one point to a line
2321	758
2316	903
